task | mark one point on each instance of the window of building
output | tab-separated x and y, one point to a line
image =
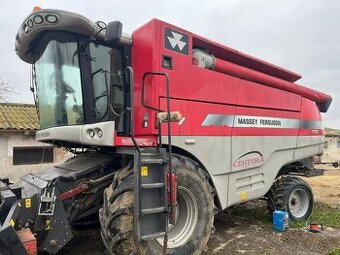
32	155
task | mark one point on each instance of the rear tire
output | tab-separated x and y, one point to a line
195	218
293	195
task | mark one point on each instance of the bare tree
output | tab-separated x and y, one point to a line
6	91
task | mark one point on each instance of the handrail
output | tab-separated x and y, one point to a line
159	110
146	74
132	132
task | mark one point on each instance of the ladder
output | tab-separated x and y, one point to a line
150	183
151	194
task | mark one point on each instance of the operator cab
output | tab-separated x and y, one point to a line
79	82
62	81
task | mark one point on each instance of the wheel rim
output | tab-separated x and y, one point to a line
298	203
186	219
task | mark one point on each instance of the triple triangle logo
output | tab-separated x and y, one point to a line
176	41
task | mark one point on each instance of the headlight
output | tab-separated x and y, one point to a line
91	133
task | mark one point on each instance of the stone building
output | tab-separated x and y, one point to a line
19	152
331	154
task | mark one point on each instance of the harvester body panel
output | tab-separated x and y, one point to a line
242	131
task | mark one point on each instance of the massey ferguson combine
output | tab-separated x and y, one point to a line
167	128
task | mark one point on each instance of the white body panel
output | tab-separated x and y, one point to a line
244	168
103	134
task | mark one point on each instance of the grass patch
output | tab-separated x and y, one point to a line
336	251
323	214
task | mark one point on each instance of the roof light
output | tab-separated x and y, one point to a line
50	18
38	19
25	28
30	23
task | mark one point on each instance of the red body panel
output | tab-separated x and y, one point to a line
252	75
194	114
145	58
309	112
241	85
261	96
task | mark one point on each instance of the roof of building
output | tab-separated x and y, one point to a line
19	117
332	132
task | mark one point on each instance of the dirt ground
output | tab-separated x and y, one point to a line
326	188
236	235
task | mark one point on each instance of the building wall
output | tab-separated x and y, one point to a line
331	151
11	139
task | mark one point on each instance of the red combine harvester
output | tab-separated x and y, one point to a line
166	127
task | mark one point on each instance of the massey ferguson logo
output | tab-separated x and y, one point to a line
176	41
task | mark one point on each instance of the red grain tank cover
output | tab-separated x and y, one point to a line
321	99
239	58
254	70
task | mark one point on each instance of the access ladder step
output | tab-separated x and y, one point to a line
151	194
153	185
149	160
153	236
153	210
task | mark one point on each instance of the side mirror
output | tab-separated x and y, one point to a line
113	31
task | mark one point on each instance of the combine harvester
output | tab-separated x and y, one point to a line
167	128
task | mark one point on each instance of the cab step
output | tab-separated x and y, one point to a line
151	217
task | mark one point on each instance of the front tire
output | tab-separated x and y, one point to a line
195	210
293	195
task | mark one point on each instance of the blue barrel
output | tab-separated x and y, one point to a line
280	220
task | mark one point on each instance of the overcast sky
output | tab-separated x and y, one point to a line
303	36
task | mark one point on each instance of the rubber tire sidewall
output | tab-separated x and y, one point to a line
310	200
118	228
279	194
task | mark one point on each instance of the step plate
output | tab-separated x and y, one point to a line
151	223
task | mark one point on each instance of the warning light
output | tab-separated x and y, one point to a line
36	8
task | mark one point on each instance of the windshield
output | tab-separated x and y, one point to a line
78	81
58	82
